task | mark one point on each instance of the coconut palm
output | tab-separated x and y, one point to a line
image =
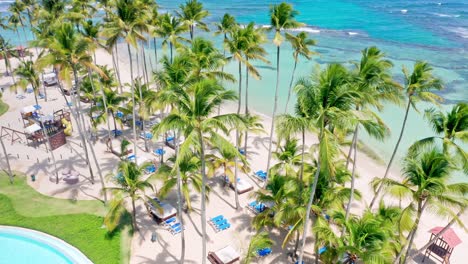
366	239
128	21
451	129
426	182
129	185
191	14
193	111
28	76
282	16
418	87
190	177
170	28
225	26
227	160
326	99
91	30
113	101
68	50
257	242
254	125
300	44
288	157
16	18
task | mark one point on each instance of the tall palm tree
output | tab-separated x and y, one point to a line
191	13
192	114
170	28
326	100
68	50
426	183
189	168
129	184
300	44
28	76
16	18
225	27
451	129
128	21
288	157
282	16
418	87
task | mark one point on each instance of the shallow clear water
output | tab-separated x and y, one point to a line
18	249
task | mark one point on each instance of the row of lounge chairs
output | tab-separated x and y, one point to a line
219	223
174	226
256	207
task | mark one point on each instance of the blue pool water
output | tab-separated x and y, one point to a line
24	246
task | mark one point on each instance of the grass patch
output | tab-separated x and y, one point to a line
79	223
3	107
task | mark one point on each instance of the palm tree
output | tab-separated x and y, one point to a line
69	50
28	76
113	101
225	26
193	111
169	29
128	22
191	14
189	168
426	183
258	241
91	30
300	44
254	125
418	87
327	101
366	239
281	18
130	184
16	18
288	157
451	129
227	160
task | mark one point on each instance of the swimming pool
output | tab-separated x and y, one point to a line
21	246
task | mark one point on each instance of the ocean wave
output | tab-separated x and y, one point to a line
459	31
307	29
445	15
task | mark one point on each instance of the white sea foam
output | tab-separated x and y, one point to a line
352	33
460	31
445	15
307	29
404	11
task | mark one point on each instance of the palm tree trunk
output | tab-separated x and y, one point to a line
135	227
236	169
116	70
44	131
80	124
113	117
10	174
290	85
155	55
311	199
296	244
246	105
170	47
35	95
275	105
179	202
192	32
348	158
393	154
145	67
301	176
133	103
203	196
415	229
351	195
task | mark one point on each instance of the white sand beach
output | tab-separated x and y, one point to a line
167	248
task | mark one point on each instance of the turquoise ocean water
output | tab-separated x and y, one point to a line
407	31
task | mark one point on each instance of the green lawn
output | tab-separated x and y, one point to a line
80	223
3	107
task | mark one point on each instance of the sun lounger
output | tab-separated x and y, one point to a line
176	230
227	255
219	223
150	169
243	186
264	252
222	227
216	218
148	135
261	175
322	250
117	132
159	152
169	221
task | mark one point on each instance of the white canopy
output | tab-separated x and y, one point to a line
32	128
165	211
227	254
28	109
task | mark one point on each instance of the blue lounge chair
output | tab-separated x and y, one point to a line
147	135
322	250
223	227
176	230
253	203
168	139
261	175
159	152
242	152
150	169
220	223
170	221
260	207
264	252
117	132
216	218
119	115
